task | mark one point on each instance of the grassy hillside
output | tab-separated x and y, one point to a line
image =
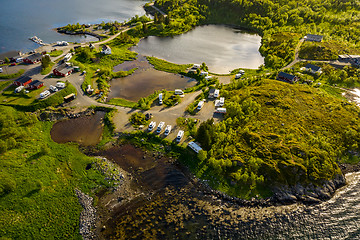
276	133
38	178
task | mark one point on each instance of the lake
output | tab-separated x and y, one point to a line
222	48
21	19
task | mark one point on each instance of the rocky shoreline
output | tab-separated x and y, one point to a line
87	216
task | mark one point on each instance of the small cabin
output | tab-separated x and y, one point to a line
286	77
34	58
313	38
35	85
23	81
313	69
63	70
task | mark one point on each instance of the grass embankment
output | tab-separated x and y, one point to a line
13	75
326	50
276	134
166	66
30	102
122	102
38	178
56	53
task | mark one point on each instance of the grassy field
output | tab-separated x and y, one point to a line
38	178
10	76
4	84
56	53
122	102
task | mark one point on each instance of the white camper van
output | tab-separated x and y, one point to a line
160	98
179	92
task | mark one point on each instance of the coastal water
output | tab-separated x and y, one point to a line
222	48
178	209
21	19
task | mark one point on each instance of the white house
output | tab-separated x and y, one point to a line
106	50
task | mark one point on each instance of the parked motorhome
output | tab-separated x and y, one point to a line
179	136
167	130
220	110
179	92
60	85
160	98
200	105
194	146
19	89
44	94
160	127
151	126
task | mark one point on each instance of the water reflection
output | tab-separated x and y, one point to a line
221	48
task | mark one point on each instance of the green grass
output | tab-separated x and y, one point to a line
122	102
40	177
4	84
56	53
47	70
326	50
13	75
165	66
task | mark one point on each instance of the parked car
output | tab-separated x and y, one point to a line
13	64
151	126
167	130
1	70
179	136
200	105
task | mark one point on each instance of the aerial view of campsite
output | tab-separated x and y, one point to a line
174	119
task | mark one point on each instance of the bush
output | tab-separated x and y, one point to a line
137	119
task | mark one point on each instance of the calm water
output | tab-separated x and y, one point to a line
221	48
21	19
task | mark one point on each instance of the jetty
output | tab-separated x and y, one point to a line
37	40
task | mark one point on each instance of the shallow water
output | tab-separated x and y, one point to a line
84	130
145	81
221	48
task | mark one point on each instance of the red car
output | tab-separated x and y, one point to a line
13	64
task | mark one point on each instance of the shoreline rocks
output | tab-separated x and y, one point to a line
87	216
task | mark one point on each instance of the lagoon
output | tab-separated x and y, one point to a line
222	48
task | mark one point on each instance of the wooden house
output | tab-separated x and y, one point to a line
63	70
34	58
313	69
23	81
286	77
35	85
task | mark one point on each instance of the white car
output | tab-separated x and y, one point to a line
1	70
160	127
167	130
151	126
179	136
